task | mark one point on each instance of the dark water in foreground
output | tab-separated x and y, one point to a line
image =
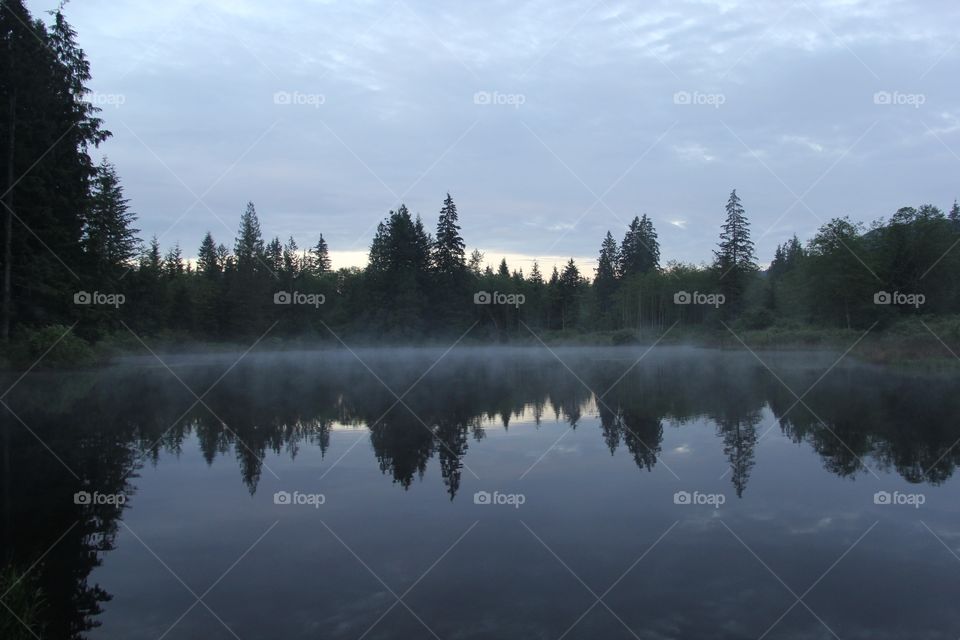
508	495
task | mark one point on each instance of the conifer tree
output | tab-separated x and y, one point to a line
605	281
109	240
248	247
640	249
320	255
448	249
208	261
735	261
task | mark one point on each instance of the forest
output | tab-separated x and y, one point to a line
73	258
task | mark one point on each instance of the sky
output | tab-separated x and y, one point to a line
550	122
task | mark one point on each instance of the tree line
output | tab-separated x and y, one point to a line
69	233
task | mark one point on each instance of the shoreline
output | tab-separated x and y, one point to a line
888	347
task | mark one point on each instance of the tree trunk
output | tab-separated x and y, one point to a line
8	220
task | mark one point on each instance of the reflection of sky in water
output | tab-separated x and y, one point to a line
596	511
605	517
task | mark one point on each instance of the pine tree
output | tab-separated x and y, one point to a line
173	262
954	215
475	265
569	287
400	272
320	254
448	250
208	262
248	247
735	248
640	249
291	263
650	244
43	116
535	276
151	262
735	262
273	256
109	240
605	281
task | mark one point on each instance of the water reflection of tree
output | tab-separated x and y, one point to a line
105	425
41	518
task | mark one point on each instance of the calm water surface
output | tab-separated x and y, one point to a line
505	494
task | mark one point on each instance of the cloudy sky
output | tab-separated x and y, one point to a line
549	121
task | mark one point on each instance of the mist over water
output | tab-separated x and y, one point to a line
328	483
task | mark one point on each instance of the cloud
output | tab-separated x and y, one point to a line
398	120
694	153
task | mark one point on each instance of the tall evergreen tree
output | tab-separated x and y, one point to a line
605	281
569	289
448	249
735	261
273	256
535	276
640	249
208	262
248	247
109	240
320	256
173	265
399	272
291	262
47	130
475	264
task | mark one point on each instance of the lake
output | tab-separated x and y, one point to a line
487	493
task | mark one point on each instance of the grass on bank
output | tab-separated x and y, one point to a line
21	618
929	340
